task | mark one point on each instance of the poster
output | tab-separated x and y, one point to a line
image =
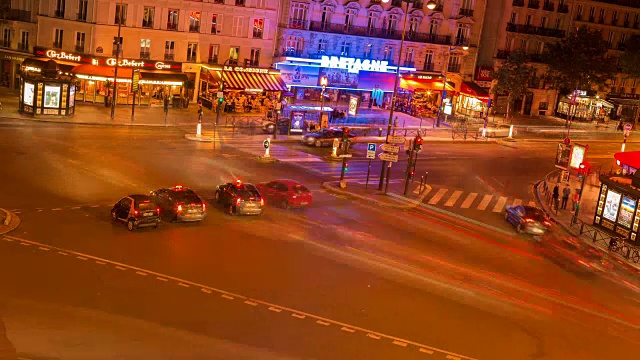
577	155
51	96
295	75
611	206
28	93
563	155
297	121
72	95
626	211
376	80
353	105
339	78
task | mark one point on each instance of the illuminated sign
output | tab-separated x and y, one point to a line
247	70
353	65
353	105
62	55
160	65
125	62
577	155
424	77
32	68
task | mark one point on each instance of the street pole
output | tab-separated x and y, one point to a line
221	90
393	97
575	215
114	96
408	174
444	85
344	152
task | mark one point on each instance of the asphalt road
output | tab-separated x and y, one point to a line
340	280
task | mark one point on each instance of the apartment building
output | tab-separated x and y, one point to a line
18	26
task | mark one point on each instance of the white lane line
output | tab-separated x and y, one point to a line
183	284
62	253
500	204
7	239
205	290
56	209
451	357
94	206
227	296
75	208
468	200
373	336
325	323
252	303
532	203
275	309
516	202
40	210
344	328
141	273
454	197
426	351
44	248
25	244
101	263
161	278
121	268
298	316
81	258
485	202
434	200
399	343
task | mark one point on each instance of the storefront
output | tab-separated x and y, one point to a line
421	94
472	100
588	106
94	77
245	89
47	91
624	104
10	63
371	80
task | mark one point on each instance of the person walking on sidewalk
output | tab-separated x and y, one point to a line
565	196
556	195
576	199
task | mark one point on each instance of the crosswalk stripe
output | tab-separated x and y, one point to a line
532	203
454	197
516	202
469	200
485	202
500	204
434	200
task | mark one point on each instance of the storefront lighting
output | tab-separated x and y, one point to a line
431	5
324	81
465	47
253	90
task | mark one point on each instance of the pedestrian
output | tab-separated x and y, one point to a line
556	195
565	196
576	200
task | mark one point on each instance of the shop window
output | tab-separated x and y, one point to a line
58	35
192	52
214	24
345	48
543	106
214	51
148	16
169	47
145	48
24	41
194	21
254	60
172	19
6	37
82	10
80	37
121	14
234	55
258	28
368	51
322	46
237	26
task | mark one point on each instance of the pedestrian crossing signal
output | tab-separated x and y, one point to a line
346	166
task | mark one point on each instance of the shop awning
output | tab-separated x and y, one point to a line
244	81
40	63
472	89
630	158
101	73
425	84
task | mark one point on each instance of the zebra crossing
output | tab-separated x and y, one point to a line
455	198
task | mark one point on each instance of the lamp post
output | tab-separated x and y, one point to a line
221	89
444	82
115	74
323	82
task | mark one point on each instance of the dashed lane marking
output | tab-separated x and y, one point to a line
485	202
227	296
81	258
44	248
75	208
142	273
101	262
56	209
270	306
298	316
426	351
25	244
205	290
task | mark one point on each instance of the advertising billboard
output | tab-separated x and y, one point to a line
353	105
297	121
52	96
627	209
563	155
28	93
296	75
339	78
577	155
376	80
611	206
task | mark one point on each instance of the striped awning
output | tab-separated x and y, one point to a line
234	80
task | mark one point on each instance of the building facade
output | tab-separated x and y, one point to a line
18	24
356	46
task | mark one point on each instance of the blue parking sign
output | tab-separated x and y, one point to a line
371	147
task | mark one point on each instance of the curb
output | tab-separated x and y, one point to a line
7	218
267	160
198	138
412	202
11	222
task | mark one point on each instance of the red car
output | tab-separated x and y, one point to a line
286	193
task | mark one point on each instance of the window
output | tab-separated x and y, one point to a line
322	46
528	19
24	41
524	44
579	11
192	52
194	21
258	28
626	19
293	45
387	53
80	36
234	54
325	18
121	14
408	56
372	20
413	25
350	15
614	17
393	23
428	60
592	12
117	46
602	14
169	47
214	51
60	8
467	4
254	59
544	21
172	19
58	34
345	48
145	48
623	38
239	2
6	37
260	4
433	27
214	24
368	51
559	23
514	18
299	14
540	47
636	18
509	45
610	38
238	25
82	10
462	35
454	63
148	16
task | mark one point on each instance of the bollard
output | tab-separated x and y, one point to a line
267	146
511	132
199	129
421	183
379	132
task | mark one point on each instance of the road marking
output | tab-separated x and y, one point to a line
344	328
25	244
227	296
161	278
75	208
7	239
205	290
141	273
516	202
40	210
249	302
451	357
468	200
426	351
532	203
500	204
454	197
325	323
44	248
434	200
94	206
271	306
56	209
399	343
485	202
101	262
298	316
81	258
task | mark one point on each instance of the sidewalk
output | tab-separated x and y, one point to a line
8	221
370	193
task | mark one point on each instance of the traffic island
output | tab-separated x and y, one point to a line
267	159
370	193
195	137
8	221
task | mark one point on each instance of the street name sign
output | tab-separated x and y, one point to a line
396	139
628	126
388	157
390	148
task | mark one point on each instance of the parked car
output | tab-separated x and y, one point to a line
323	137
136	211
286	193
527	219
498	131
239	198
179	203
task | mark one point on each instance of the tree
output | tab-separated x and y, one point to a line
630	58
579	61
512	77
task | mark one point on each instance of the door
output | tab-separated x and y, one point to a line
125	207
528	101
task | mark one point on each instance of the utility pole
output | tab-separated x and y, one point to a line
345	133
118	44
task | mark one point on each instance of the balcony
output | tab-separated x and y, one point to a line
621	46
213	60
408	63
59	13
537	58
564	9
626	23
147	24
80	48
194	28
23	47
428	67
5	43
578	17
254	63
16	15
453	68
233	61
192	58
535	30
172	26
533	4
168	57
518	2
297	24
378	33
81	17
466	12
592	19
57	45
145	54
547	6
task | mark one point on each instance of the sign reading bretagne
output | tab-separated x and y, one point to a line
62	55
353	65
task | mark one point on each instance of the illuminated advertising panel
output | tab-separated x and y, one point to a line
627	209
611	206
52	96
577	155
29	90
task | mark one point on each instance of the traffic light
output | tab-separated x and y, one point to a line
220	100
411	174
417	144
345	132
346	166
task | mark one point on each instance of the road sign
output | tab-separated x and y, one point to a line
390	148
371	154
627	126
136	79
396	139
371	151
388	157
345	155
266	144
371	147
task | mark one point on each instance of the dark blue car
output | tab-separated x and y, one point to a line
527	219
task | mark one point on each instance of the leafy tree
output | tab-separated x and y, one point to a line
512	77
579	61
630	58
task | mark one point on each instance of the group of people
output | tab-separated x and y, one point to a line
566	193
240	102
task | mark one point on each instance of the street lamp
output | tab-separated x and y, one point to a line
118	45
444	83
323	82
430	5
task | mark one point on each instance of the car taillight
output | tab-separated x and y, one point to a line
158	211
528	219
179	207
547	223
136	213
204	207
238	201
261	201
